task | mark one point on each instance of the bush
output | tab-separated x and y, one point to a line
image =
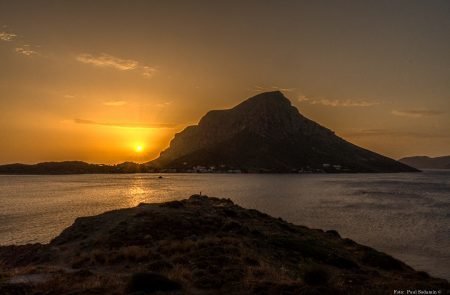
146	282
316	276
381	260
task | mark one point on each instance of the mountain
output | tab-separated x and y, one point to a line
424	162
72	167
266	133
202	245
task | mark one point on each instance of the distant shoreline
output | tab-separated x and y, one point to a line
79	167
210	173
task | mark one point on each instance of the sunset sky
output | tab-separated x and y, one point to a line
112	81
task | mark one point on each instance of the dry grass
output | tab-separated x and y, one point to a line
180	273
66	283
134	253
112	281
170	248
266	272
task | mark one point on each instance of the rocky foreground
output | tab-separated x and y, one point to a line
202	246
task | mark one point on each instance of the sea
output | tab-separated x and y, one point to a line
406	215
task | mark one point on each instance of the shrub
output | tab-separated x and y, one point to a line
147	282
316	276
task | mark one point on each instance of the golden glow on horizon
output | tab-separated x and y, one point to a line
96	99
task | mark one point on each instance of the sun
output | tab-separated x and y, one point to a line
139	148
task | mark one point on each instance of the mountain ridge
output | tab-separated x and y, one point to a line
72	167
425	162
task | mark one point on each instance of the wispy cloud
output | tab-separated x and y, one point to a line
106	60
115	103
417	113
163	104
124	125
337	102
5	36
272	88
25	50
393	133
148	72
21	48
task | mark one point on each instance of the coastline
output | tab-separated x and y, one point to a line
80	167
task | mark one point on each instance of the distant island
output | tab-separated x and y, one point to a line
424	162
74	167
263	134
202	245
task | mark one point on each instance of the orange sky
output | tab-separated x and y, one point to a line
92	80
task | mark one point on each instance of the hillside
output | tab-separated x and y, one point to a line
201	245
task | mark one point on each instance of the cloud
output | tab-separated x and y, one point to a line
337	102
148	72
125	125
272	88
303	98
393	133
115	103
417	113
106	60
164	104
4	36
25	50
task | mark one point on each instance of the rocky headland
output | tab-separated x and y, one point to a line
202	245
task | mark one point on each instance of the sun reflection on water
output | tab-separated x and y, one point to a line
138	192
148	189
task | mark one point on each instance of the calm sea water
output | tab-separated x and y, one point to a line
406	215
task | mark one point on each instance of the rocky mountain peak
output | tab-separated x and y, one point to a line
267	133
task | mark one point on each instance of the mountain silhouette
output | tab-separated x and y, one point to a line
72	167
424	162
265	133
